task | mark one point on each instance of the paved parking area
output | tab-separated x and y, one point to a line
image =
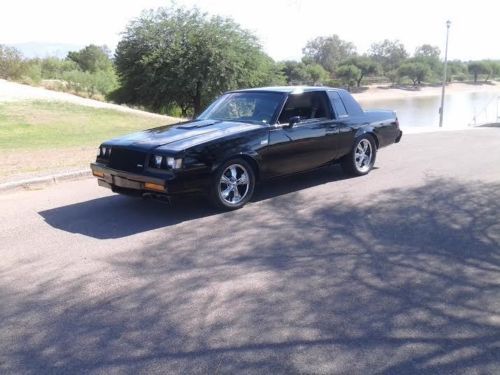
395	272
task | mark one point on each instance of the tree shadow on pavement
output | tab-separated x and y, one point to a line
407	281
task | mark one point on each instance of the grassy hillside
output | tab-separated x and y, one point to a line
42	137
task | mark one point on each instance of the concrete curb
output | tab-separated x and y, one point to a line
40	182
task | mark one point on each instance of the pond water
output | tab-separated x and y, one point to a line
461	110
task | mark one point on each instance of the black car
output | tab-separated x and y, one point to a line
247	136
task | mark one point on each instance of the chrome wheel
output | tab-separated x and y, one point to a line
234	184
363	155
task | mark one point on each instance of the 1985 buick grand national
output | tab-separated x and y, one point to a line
246	136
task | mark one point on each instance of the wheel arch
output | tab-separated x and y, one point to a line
370	132
249	158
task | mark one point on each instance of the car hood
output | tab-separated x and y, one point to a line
182	136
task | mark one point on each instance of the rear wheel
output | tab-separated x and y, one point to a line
361	159
233	184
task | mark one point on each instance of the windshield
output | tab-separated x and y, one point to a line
255	107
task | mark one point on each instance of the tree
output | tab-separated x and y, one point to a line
92	58
416	71
178	56
456	70
479	67
295	72
388	53
348	74
365	65
328	51
429	55
494	67
317	74
393	76
11	63
299	73
427	51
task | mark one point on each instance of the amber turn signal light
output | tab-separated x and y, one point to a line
152	186
98	174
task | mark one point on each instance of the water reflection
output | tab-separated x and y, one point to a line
460	109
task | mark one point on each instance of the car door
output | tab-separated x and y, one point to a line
342	125
305	145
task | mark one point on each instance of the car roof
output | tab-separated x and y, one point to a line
289	89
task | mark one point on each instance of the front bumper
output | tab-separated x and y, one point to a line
123	182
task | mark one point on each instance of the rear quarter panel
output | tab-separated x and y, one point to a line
383	124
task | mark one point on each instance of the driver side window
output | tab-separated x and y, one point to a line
308	105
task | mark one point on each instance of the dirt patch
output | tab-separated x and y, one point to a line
12	91
24	164
379	92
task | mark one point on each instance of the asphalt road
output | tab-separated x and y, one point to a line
396	272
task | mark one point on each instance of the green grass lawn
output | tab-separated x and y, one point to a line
43	124
41	136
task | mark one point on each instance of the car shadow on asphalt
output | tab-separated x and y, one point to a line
119	216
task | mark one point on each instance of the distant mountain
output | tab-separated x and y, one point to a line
40	49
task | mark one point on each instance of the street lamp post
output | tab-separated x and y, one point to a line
441	109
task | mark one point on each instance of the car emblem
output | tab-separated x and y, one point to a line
140	165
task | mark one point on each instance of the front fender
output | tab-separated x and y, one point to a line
250	155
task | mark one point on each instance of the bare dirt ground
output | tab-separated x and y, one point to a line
397	272
12	91
384	92
67	160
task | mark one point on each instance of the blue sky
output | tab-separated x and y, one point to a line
283	26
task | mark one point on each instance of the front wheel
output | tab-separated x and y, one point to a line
233	184
361	159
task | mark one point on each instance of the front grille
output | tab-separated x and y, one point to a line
127	160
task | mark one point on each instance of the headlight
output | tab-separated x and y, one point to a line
157	160
174	163
168	162
104	152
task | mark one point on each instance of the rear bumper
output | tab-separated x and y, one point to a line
125	182
399	136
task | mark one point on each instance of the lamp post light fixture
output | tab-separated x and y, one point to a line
441	109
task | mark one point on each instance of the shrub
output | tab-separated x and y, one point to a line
54	68
31	73
90	84
105	81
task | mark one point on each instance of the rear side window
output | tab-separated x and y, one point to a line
337	104
352	106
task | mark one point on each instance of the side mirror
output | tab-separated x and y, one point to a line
293	120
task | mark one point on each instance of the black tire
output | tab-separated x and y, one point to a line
234	187
351	162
